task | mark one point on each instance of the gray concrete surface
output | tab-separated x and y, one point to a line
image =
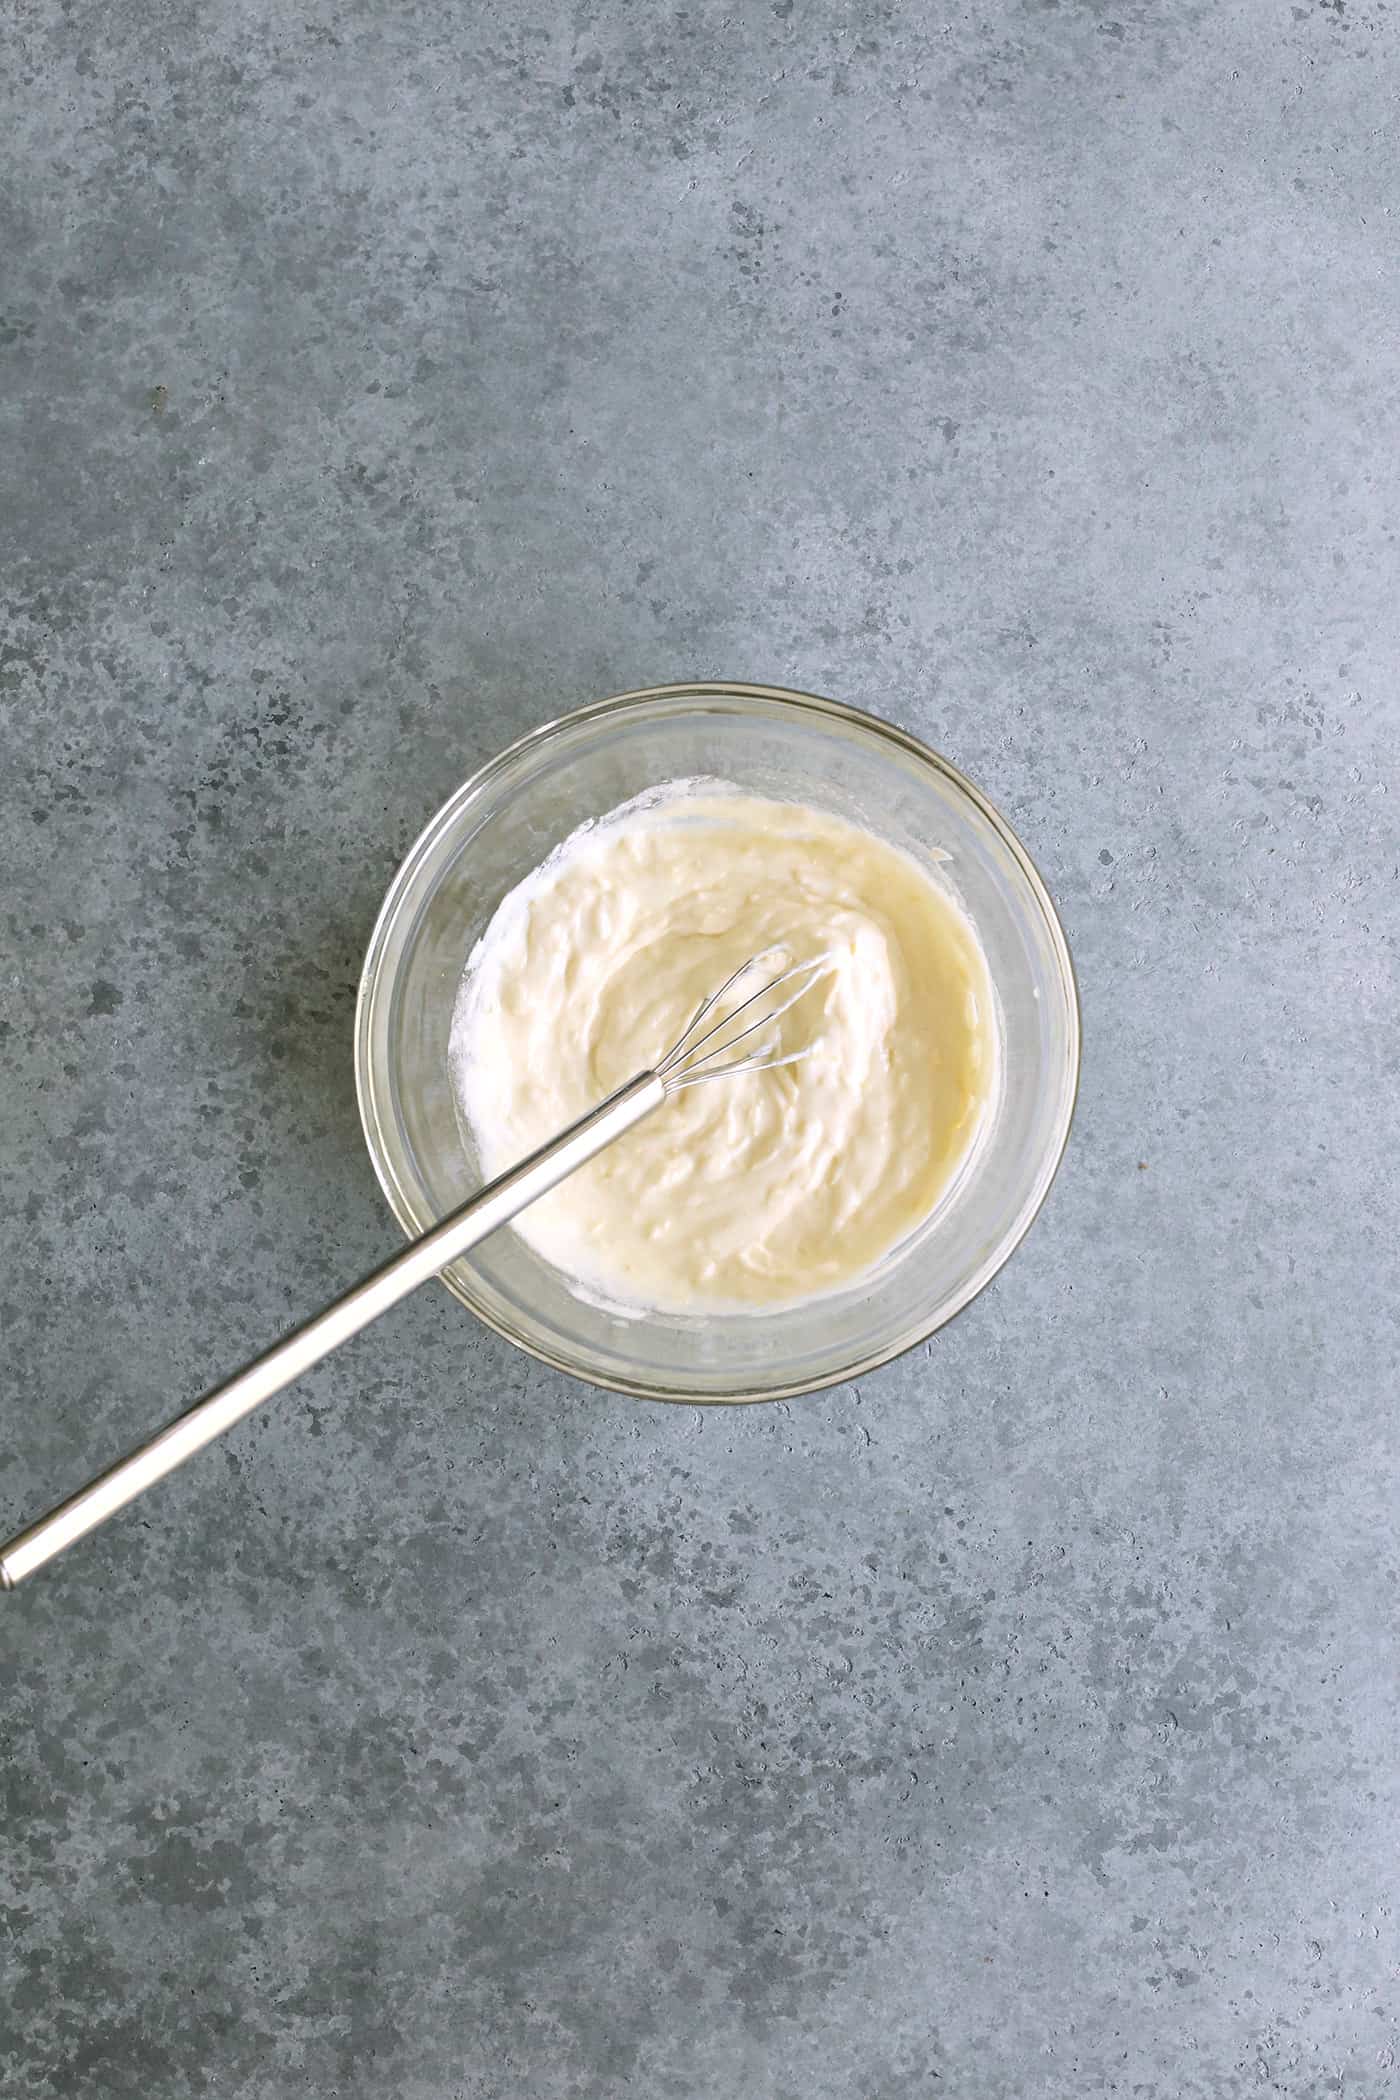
377	381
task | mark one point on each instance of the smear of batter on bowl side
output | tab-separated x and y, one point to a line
741	1193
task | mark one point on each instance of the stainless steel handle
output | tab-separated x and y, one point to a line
491	1207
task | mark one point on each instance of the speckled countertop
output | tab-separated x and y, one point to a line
375	383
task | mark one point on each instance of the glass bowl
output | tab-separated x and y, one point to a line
795	747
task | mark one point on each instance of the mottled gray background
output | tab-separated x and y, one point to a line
378	380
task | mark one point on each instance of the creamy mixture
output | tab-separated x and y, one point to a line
747	1192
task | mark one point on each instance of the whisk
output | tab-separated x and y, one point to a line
710	1048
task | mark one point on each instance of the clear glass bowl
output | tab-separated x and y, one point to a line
502	823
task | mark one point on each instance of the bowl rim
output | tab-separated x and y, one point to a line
782	699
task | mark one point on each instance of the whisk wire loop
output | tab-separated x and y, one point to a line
688	1060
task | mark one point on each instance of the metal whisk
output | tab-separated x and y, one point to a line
702	1052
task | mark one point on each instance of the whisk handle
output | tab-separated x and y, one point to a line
226	1404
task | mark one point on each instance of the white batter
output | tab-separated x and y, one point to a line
749	1192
